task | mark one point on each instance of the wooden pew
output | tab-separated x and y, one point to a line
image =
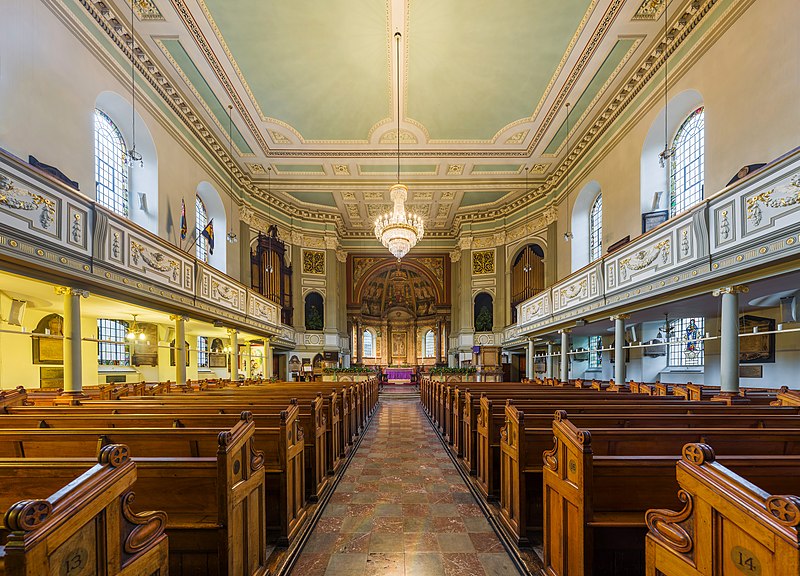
599	482
86	526
283	462
727	525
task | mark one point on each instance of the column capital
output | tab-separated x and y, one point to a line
565	331
179	317
233	331
733	289
619	317
63	290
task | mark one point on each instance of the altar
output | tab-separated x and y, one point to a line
398	373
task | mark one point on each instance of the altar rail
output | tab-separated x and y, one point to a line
48	225
754	223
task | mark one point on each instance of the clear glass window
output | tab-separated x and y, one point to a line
111	172
686	164
201	221
596	229
111	347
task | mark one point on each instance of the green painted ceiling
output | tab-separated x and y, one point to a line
188	68
392	168
473	198
321	67
320	198
621	48
460	83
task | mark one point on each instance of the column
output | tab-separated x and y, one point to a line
269	359
234	336
564	355
549	361
729	339
180	348
529	373
619	349
73	361
437	339
248	354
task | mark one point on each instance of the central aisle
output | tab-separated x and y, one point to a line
402	508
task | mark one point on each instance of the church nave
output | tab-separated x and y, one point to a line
402	508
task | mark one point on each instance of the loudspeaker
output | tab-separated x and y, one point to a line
142	202
168	333
790	309
17	312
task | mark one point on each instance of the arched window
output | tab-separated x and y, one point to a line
686	165
368	342
483	312
315	311
110	170
430	344
201	221
596	229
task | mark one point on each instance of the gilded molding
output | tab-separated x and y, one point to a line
23	199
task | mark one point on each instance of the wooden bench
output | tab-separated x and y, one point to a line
88	513
599	482
728	524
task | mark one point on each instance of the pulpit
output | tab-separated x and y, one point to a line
488	363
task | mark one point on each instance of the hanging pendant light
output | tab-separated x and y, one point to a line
668	151
568	233
399	230
269	268
135	332
232	237
132	156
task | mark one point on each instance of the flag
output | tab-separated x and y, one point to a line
208	234
183	220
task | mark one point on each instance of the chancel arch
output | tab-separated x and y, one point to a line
403	310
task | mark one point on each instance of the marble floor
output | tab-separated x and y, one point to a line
402	508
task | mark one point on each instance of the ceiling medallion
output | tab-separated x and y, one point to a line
398	230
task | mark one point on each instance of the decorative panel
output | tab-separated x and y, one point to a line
578	289
483	262
220	290
261	309
314	262
535	309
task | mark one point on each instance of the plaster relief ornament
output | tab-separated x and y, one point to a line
22	199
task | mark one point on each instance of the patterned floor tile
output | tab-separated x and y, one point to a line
402	509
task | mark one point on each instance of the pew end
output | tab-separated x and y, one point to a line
93	512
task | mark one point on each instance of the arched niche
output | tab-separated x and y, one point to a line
527	275
314	311
579	224
654	177
142	180
215	210
483	312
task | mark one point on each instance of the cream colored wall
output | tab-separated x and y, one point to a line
48	87
750	83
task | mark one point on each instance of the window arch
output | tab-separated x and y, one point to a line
315	311
110	169
687	163
596	229
200	223
429	342
579	246
368	344
483	313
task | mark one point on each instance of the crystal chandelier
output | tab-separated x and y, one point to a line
399	230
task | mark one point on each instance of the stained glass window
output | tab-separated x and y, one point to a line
686	348
686	165
368	344
201	221
596	229
202	352
430	344
111	348
111	173
595	355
